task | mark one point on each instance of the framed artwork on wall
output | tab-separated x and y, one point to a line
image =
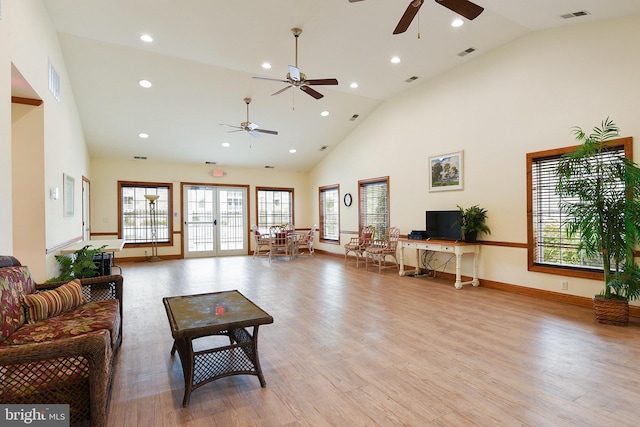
446	172
69	195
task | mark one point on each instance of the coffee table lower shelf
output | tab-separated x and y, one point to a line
240	357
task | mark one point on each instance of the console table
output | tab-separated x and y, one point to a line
447	246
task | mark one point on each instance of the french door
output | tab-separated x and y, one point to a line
215	221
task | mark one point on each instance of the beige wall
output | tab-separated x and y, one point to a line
105	174
29	41
521	98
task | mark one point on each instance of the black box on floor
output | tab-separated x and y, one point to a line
103	262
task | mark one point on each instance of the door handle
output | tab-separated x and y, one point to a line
215	222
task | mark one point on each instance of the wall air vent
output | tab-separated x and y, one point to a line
54	82
209	163
412	79
324	147
575	14
140	157
355	116
269	167
467	51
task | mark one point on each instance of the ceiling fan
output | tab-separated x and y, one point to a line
462	7
295	78
247	126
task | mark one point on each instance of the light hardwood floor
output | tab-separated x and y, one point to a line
350	347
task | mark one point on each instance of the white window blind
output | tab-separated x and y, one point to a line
329	213
374	205
551	245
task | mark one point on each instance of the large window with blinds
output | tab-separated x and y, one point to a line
549	248
373	205
275	207
329	214
135	222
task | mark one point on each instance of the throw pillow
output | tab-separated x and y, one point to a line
44	305
364	238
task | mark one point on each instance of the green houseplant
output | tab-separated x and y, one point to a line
78	265
600	200
472	222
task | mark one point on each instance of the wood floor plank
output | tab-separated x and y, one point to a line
358	348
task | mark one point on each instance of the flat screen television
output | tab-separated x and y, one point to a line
443	225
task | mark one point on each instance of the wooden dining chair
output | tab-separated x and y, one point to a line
279	242
359	244
380	249
261	242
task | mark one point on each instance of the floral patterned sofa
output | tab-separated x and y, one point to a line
58	341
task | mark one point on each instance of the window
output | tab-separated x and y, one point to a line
549	248
330	214
373	206
135	219
275	207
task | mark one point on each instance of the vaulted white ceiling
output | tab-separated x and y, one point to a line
205	53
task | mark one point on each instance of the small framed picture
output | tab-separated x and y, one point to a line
445	172
69	195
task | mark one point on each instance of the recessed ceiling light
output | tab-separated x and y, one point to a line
146	38
226	144
143	135
145	83
353	85
293	150
395	60
325	113
266	65
457	23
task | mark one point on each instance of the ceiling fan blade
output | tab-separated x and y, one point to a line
318	82
281	90
252	126
462	7
231	126
409	14
253	133
294	73
354	1
233	131
312	92
270	132
272	80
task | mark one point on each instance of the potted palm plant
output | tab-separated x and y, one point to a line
472	222
78	265
601	201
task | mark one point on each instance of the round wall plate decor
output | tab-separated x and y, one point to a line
347	199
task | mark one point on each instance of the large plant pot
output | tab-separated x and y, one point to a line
611	311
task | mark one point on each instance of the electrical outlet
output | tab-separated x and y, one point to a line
564	285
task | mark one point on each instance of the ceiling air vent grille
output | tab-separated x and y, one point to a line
140	157
269	167
355	116
209	163
412	79
467	51
575	14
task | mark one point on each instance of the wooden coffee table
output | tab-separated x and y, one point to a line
219	313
